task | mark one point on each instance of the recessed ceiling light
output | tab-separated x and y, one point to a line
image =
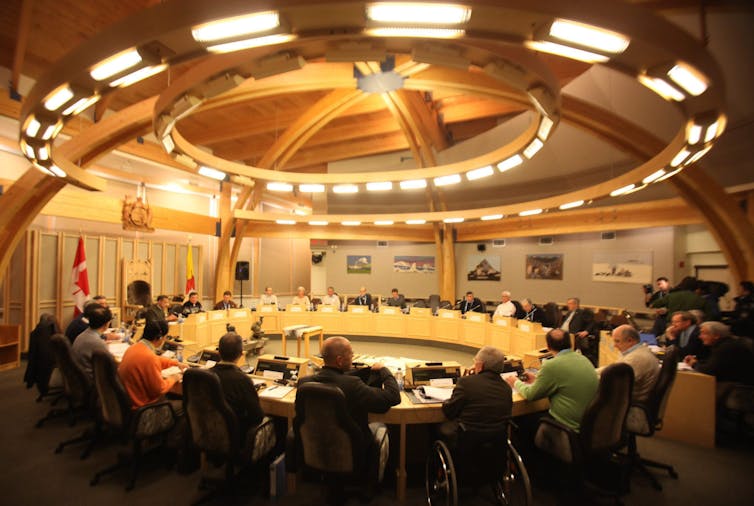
279	187
413	184
530	212
379	186
311	188
622	190
416	222
593	37
490	217
447	180
285	222
479	173
509	163
571	205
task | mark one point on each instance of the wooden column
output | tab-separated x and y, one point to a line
726	221
223	273
448	260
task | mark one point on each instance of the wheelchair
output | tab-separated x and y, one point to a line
480	458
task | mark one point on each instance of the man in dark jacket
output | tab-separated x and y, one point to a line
729	359
361	399
481	401
238	388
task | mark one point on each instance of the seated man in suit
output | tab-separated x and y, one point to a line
396	299
238	388
684	333
227	302
159	310
646	367
364	298
361	399
80	323
533	313
471	303
91	339
192	305
481	401
581	325
728	359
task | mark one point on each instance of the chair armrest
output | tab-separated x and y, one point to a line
153	419
260	440
558	440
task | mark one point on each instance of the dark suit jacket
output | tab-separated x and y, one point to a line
360	398
241	396
536	315
189	308
694	346
365	300
583	320
399	302
729	360
475	306
76	327
155	313
480	402
221	305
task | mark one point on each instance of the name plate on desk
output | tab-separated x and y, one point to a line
390	310
200	317
505	322
475	317
327	309
295	309
447	314
267	308
238	313
358	309
217	315
525	326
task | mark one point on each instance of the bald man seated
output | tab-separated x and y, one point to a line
646	367
361	399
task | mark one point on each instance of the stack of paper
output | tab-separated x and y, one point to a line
170	371
275	392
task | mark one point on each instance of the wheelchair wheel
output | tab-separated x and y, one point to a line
440	477
514	488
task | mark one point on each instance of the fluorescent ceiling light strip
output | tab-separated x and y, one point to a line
28	150
425	33
447	180
680	157
350	223
694	133
32	126
44	169
533	148
622	190
311	188
43	153
696	156
237	26
544	128
81	105
168	143
115	64
509	163
139	75
413	184
416	222
479	173
212	173
379	186
566	51
285	222
57	98
52	130
712	132
318	223
589	36
688	78
635	189
662	88
530	212
571	205
299	211
279	187
57	171
383	222
653	176
345	188
490	217
453	220
669	175
267	40
429	13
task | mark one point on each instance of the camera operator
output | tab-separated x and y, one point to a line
661	318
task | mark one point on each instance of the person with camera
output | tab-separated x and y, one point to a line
661	317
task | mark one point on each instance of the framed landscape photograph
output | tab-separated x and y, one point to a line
359	264
549	266
483	268
415	264
622	266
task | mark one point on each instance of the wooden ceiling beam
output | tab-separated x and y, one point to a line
341	151
478	109
428	118
22	39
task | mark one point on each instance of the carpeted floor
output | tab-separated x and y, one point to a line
33	475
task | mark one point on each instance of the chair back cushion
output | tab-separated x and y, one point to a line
481	455
77	386
115	404
658	399
328	437
214	427
603	421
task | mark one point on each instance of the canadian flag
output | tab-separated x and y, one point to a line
79	279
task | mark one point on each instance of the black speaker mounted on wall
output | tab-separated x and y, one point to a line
242	271
481	247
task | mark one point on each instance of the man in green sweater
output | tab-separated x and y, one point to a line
569	380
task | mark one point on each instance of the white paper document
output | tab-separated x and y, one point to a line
441	382
117	349
174	369
275	392
437	393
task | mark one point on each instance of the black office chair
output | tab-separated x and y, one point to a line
215	430
520	313
146	424
434	302
645	418
739	408
553	316
328	441
477	459
601	433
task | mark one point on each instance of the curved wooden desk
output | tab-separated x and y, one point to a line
404	414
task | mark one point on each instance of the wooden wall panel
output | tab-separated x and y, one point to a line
48	266
92	264
158	267
110	271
